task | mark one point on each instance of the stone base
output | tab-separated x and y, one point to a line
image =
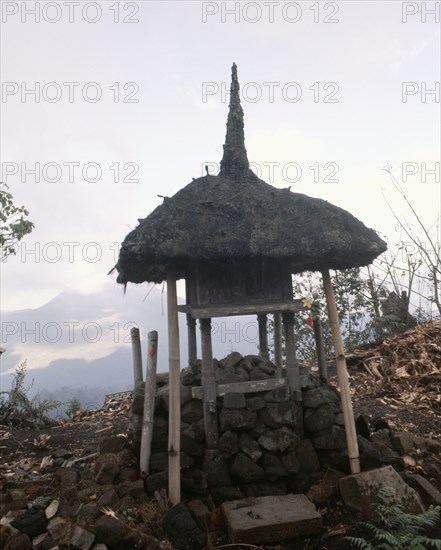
270	519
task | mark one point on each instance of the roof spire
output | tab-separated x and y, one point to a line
234	163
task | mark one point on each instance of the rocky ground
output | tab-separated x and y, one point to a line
82	481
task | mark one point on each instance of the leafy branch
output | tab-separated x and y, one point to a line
13	223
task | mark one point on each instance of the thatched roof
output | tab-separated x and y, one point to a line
237	215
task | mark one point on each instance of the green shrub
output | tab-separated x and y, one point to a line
398	530
73	406
19	411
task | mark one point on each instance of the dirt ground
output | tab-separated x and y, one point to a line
80	438
372	397
397	380
384	399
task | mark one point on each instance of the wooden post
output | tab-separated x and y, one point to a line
293	372
321	358
149	404
192	346
292	365
209	387
342	373
174	415
278	350
263	335
137	357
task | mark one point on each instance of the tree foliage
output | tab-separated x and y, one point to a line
14	224
357	297
73	406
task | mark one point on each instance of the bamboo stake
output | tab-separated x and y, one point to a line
192	346
321	358
278	351
209	387
342	373
149	404
263	335
137	357
174	415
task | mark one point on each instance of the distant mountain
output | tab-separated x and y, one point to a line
78	340
114	370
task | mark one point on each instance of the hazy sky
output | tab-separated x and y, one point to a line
130	101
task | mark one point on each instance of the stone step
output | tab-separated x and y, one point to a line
271	518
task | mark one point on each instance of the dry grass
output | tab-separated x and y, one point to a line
152	513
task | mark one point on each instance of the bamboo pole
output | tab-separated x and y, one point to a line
192	345
209	387
149	403
137	357
174	415
138	390
263	335
278	350
321	358
342	373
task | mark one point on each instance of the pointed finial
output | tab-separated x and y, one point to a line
234	163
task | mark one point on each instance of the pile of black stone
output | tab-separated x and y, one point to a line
259	452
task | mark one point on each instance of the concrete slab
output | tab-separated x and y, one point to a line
270	519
